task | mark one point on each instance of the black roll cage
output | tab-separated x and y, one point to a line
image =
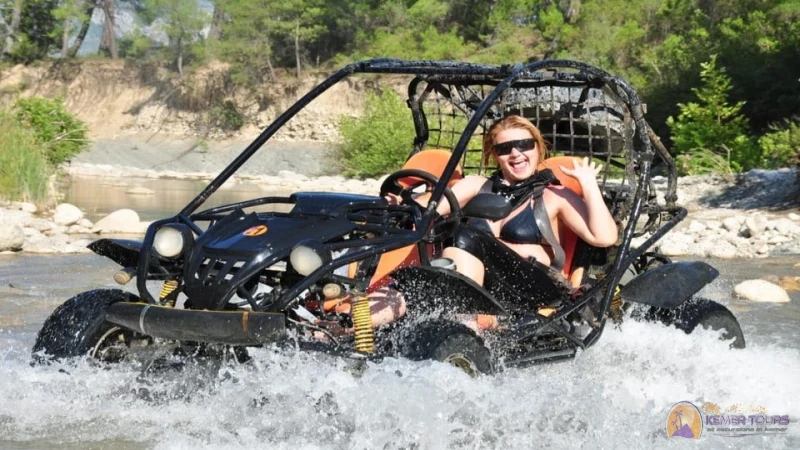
501	77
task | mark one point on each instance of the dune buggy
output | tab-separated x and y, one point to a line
251	273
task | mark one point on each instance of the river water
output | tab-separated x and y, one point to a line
617	394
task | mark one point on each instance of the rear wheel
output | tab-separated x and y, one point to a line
449	342
78	327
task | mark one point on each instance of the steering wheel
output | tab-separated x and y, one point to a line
392	185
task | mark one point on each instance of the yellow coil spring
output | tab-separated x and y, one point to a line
168	288
615	311
362	323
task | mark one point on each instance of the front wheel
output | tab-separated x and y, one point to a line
78	327
451	343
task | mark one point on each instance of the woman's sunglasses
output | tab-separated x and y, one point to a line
523	145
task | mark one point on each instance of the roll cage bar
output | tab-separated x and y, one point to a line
501	77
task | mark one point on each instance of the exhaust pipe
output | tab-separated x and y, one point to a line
218	327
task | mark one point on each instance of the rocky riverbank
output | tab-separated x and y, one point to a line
755	215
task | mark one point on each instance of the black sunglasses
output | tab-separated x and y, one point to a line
523	145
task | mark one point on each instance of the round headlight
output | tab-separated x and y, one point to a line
169	242
308	256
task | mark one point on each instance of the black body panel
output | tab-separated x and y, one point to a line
227	255
434	288
122	251
669	285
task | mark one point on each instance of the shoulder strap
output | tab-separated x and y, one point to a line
543	222
486	187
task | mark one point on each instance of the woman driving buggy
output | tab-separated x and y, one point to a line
517	147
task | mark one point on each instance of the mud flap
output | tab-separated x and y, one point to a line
669	285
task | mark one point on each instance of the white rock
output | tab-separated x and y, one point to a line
41	224
794	216
12	237
677	244
696	226
77	229
723	250
25	206
755	225
784	226
761	291
713	224
762	250
67	214
778	239
55	230
31	232
120	221
16	217
731	224
86	223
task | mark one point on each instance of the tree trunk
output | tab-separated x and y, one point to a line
76	45
109	40
65	40
11	36
297	46
573	11
179	62
216	20
272	73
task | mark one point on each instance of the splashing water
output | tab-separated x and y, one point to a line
616	394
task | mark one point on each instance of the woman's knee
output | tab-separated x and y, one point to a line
467	264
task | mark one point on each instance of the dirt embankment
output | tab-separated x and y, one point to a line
120	99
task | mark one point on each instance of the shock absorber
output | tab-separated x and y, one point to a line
615	311
362	324
167	289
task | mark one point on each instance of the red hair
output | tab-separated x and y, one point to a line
509	123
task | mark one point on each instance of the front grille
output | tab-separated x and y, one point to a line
210	280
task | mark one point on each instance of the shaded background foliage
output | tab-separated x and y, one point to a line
657	45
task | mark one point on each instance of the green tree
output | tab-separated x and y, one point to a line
712	132
246	40
380	140
183	22
298	22
35	38
68	14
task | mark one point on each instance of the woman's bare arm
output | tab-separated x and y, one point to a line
589	216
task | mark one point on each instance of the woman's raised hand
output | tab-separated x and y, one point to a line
585	171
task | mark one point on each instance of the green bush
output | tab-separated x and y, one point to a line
380	141
781	146
59	133
712	127
226	116
23	168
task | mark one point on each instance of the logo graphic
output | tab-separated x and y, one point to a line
684	421
257	230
